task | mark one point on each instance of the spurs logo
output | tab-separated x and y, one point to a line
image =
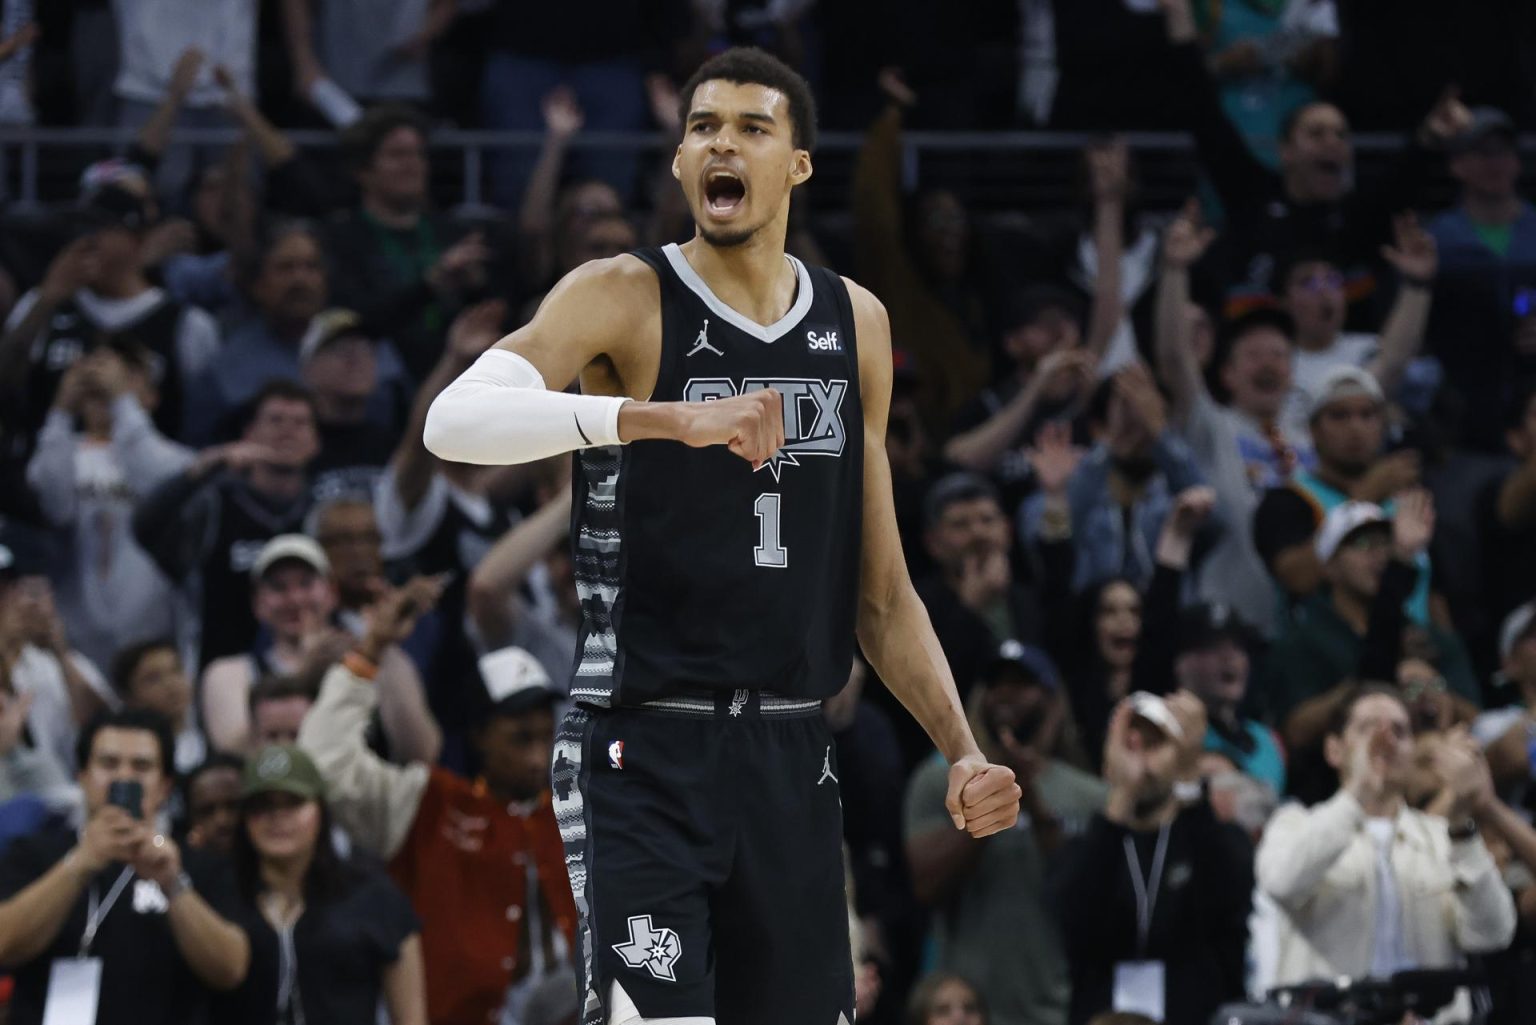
655	950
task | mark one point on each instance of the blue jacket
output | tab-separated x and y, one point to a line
1104	547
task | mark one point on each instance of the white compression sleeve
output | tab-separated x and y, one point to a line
498	411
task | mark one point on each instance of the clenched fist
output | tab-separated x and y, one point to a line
750	425
983	798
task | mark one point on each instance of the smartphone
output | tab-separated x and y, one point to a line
127	794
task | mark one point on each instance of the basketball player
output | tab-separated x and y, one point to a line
733	529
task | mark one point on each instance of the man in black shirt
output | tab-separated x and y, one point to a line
105	925
1155	894
212	520
357	412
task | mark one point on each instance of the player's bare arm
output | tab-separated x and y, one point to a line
893	625
602	324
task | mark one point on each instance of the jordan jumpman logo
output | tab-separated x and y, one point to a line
826	769
702	342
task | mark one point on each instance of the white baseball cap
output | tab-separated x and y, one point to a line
1516	625
1343	521
291	546
1344	382
515	680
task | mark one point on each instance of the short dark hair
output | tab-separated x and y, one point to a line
270	233
215	761
748	65
280	688
360	141
1244	324
1027	305
1293	117
277	388
129	719
960	486
1338	722
126	662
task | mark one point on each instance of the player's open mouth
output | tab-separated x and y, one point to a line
724	192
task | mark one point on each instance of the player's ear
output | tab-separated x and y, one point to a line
677	163
800	167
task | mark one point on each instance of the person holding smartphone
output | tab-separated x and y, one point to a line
113	924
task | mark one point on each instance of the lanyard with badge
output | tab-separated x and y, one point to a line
1140	984
74	983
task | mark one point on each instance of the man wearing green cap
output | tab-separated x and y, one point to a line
289	869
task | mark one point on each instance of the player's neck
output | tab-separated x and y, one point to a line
753	278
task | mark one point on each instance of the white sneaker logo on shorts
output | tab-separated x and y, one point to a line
655	950
826	769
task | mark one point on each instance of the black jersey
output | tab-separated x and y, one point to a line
694	570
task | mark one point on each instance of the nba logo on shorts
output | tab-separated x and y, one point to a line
616	754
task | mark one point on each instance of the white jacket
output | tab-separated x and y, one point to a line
1319	866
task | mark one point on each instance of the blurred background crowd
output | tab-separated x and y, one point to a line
1214	454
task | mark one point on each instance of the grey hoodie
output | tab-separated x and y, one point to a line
110	593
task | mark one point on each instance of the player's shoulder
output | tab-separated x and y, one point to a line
604	294
863	300
617	279
870	321
868	310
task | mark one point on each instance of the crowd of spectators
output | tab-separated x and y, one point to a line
1224	514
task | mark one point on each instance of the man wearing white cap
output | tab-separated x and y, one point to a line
489	934
1354	627
1347	416
294	600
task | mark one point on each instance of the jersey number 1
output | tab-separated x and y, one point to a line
769	552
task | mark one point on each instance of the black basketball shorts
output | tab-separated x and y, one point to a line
703	839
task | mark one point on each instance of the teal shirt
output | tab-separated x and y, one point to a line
1318	651
1264	763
